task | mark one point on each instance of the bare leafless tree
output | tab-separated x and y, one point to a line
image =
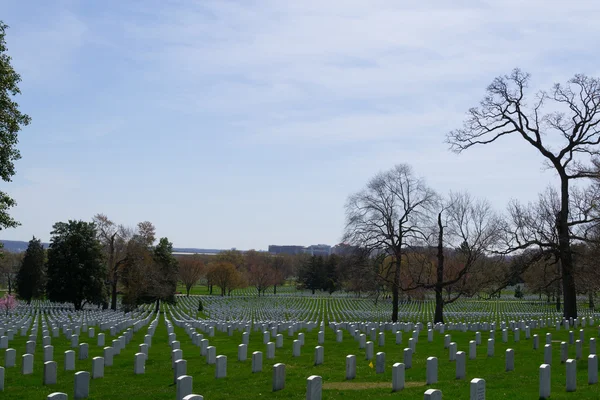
115	241
387	217
109	236
9	267
466	233
569	115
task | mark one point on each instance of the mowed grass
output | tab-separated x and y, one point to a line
157	383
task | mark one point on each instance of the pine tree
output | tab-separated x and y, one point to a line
31	276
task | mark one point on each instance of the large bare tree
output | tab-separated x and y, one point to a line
115	241
387	217
469	230
562	125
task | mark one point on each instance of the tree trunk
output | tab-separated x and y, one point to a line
566	259
187	288
157	308
439	300
591	300
274	289
313	291
113	269
395	302
557	301
113	296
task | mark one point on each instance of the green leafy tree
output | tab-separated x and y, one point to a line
332	277
168	270
11	122
76	271
30	278
518	292
312	274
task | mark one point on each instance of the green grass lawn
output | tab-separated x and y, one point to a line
121	383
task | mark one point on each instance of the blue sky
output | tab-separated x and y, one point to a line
248	123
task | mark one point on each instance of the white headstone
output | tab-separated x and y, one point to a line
48	353
432	370
82	384
380	363
278	377
100	340
97	367
472	350
592	369
564	352
461	362
350	367
432	394
211	355
319	355
256	361
27	365
452	351
398	377
408	358
510	360
477	389
10	358
369	351
83	351
548	354
242	352
50	370
185	385
139	363
180	369
314	386
545	381
221	367
571	375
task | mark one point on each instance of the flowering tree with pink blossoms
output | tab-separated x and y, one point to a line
8	302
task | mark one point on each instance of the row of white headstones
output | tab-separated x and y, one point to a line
301	308
477	385
221	361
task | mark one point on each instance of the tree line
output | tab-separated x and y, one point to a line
552	243
93	262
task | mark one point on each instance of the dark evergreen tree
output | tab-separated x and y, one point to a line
167	270
311	275
76	271
332	278
30	278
